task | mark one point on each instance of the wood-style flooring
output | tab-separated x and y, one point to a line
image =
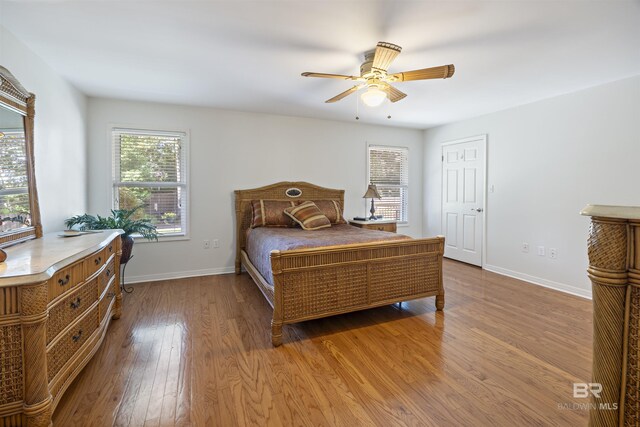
197	352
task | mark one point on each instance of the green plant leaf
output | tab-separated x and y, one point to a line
120	218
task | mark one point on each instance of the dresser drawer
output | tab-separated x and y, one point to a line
110	249
65	279
106	300
107	274
71	307
384	227
389	226
95	261
71	341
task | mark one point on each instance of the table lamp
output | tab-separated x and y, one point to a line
372	193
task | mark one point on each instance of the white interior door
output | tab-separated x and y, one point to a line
463	195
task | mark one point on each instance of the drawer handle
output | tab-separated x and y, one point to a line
75	304
64	281
98	260
111	248
108	272
77	337
381	228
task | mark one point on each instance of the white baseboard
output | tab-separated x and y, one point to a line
129	280
584	293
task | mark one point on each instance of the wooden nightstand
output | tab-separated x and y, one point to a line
380	225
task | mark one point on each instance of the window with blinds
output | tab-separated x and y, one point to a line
389	171
14	189
150	170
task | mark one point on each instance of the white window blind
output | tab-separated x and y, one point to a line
150	170
389	171
14	190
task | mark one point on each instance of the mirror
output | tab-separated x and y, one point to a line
19	212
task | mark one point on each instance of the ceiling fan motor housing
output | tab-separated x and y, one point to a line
366	66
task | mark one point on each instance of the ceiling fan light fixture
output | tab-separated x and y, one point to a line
373	97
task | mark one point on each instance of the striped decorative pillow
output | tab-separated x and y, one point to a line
270	213
331	209
308	216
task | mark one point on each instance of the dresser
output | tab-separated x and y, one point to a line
614	270
57	297
380	224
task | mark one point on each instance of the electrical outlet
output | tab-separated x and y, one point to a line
525	247
216	243
553	253
206	244
541	250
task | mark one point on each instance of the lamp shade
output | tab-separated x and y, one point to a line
372	193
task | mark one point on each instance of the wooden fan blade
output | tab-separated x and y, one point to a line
442	72
385	54
394	94
330	76
343	94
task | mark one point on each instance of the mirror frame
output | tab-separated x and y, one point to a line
16	98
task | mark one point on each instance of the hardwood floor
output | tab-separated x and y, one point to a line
198	352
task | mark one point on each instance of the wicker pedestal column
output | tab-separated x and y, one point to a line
614	257
37	398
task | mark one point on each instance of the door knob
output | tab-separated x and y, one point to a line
477	210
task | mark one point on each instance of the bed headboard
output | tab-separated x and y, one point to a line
297	191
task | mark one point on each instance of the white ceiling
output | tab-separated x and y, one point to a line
248	55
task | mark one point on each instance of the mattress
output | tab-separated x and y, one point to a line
262	240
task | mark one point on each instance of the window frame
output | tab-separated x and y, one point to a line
401	222
185	156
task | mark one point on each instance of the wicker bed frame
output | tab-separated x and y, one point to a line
320	282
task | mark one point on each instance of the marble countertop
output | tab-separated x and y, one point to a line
607	211
37	260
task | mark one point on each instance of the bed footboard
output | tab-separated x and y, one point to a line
319	282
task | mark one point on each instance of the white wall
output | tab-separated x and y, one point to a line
60	133
233	150
547	160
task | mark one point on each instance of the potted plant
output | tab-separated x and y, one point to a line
122	219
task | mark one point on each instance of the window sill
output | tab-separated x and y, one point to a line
398	223
161	239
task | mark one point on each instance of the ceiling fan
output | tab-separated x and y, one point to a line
374	76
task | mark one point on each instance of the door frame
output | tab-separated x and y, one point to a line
483	140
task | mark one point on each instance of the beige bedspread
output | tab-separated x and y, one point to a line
262	240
